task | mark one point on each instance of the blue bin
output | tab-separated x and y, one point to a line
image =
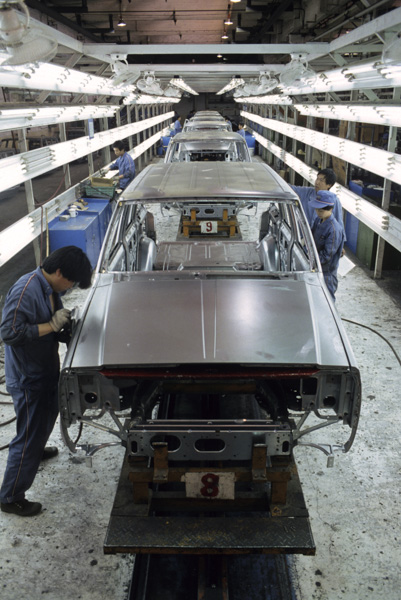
103	209
250	141
165	139
82	231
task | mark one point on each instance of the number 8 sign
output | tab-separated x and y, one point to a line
209	485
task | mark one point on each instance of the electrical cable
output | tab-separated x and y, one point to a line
379	334
7	423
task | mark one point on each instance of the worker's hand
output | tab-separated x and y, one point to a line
60	318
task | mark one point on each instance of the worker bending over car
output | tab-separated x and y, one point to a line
33	323
325	179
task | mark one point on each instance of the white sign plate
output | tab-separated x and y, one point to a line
214	486
208	226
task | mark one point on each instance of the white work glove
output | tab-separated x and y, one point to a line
60	318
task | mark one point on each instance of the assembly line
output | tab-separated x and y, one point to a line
200	300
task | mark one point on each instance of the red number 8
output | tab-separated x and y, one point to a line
211	485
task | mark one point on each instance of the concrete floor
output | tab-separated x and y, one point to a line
354	507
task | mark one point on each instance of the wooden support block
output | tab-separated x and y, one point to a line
160	460
259	460
279	492
140	493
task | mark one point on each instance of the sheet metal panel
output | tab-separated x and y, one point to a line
211	179
149	321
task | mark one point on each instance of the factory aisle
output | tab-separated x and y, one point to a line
354	507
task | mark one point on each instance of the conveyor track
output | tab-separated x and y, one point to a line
210	577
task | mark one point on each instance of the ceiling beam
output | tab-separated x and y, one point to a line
106	51
390	20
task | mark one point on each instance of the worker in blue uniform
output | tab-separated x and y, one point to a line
328	234
177	127
33	323
125	165
241	130
325	180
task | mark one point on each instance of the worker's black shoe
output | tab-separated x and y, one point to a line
49	452
22	508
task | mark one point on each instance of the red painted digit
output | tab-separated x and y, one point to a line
209	226
211	485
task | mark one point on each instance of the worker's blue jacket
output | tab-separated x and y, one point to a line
329	240
126	166
177	127
306	194
30	361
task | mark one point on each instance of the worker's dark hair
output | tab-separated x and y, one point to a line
329	176
73	264
119	144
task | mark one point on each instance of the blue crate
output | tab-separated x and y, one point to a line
82	231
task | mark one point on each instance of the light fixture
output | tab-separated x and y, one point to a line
121	22
235	82
256	87
131	98
177	81
148	84
219	56
23	43
228	20
383	163
21	167
360	113
374	217
34	117
59	79
12	30
273	99
297	73
172	91
224	36
235	1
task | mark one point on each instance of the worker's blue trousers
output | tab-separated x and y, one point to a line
36	411
331	280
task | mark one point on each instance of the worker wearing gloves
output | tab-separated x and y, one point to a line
32	322
125	165
325	179
328	234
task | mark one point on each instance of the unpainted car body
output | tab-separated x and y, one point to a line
206	125
240	334
196	146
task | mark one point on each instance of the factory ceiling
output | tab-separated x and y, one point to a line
183	37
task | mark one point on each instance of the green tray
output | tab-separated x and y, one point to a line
99	191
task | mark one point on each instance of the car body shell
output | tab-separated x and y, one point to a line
224	315
206	125
207	145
